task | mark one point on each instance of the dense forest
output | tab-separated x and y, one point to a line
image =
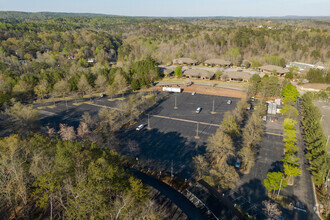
41	50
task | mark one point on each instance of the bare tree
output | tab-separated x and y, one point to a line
82	130
67	132
101	82
83	85
220	145
201	164
271	209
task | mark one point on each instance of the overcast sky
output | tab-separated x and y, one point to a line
175	7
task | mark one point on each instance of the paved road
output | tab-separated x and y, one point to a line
180	200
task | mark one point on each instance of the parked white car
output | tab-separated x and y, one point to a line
198	110
229	102
140	127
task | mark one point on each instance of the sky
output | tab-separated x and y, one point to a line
175	8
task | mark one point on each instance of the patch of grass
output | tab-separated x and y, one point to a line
44	107
116	99
80	103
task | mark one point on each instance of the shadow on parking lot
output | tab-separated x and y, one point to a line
277	166
159	150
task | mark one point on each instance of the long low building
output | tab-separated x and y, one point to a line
217	62
306	66
198	74
187	61
240	76
269	69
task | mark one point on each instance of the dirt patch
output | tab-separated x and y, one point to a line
207	90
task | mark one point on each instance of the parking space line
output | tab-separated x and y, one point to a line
103	106
185	120
270	133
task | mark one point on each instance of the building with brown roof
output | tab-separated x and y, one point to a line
269	69
167	72
182	61
198	74
217	62
239	76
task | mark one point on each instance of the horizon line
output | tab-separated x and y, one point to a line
154	16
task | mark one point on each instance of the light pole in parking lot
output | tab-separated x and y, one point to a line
175	107
213	112
148	123
197	137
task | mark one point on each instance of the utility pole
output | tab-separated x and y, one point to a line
197	137
213	112
148	123
279	188
172	169
175	107
326	182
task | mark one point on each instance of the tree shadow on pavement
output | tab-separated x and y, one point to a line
160	150
254	191
276	166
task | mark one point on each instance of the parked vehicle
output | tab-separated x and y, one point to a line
229	102
172	89
238	164
194	93
198	110
140	127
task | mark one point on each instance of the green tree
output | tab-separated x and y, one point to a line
42	89
291	171
289	124
254	85
273	181
178	71
218	74
289	111
291	159
290	94
46	187
61	87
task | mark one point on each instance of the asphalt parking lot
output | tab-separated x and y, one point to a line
171	139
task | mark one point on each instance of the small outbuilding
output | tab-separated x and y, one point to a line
184	61
217	62
269	69
198	74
